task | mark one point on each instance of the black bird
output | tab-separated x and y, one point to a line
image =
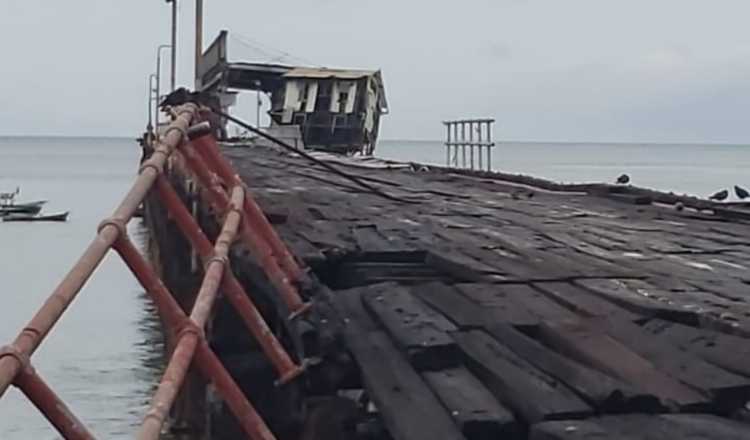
742	193
720	196
623	179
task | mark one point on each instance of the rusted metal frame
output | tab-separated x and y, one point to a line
32	335
49	404
209	150
206	361
169	387
183	354
251	237
232	289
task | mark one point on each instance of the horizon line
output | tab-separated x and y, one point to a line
440	141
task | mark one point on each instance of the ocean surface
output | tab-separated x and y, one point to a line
694	169
104	357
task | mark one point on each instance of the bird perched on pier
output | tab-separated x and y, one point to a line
720	196
623	179
182	96
742	193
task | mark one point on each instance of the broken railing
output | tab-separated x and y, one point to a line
468	143
242	218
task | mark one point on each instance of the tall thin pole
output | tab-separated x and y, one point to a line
158	85
198	39
173	74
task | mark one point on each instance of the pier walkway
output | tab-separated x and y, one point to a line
483	309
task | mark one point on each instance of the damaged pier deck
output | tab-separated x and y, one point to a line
486	310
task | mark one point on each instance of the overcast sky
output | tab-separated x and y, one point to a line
575	70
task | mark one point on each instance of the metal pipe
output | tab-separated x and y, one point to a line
253	238
233	290
49	404
209	150
206	360
198	40
173	63
182	356
471	144
448	145
150	125
169	387
158	84
490	147
29	339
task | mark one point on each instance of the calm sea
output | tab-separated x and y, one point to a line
699	170
104	357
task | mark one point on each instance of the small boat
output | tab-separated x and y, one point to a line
24	217
27	205
26	208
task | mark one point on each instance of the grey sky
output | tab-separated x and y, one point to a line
635	70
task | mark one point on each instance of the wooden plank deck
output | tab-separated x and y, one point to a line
483	307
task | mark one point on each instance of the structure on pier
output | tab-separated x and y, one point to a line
469	144
335	110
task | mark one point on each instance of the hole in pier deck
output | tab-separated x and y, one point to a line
360	269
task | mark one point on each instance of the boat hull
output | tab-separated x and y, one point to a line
21	217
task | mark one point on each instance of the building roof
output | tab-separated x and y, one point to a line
323	72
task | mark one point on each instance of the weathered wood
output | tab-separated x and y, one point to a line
729	352
730	391
592	346
633	199
476	411
575	430
418	330
584	302
691	426
519	304
532	393
638	300
710	426
603	392
458	308
396	389
643	427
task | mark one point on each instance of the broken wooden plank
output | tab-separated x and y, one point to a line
476	411
535	395
421	332
592	346
604	393
400	395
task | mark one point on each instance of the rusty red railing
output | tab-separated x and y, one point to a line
242	218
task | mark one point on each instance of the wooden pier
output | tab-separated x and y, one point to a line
469	306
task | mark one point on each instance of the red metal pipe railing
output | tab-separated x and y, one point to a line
252	238
233	290
184	351
206	361
191	347
47	402
216	162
